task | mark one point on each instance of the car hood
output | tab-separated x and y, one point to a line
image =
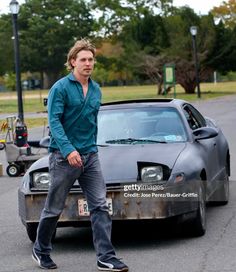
119	162
39	164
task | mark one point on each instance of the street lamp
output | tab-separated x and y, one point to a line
193	31
14	8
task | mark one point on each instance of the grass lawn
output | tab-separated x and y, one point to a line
208	91
33	100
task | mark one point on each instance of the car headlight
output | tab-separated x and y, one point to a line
41	180
151	173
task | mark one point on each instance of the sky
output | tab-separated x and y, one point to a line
199	6
4	5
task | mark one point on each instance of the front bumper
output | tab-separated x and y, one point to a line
126	205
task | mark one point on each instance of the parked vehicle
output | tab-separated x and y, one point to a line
160	159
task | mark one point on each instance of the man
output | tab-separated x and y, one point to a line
73	105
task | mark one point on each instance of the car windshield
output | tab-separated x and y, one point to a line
140	126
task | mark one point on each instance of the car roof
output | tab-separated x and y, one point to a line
164	102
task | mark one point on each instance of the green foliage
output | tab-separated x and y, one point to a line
48	29
129	34
226	13
10	81
230	76
6	45
178	29
147	34
100	74
117	13
223	55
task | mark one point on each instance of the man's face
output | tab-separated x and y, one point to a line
84	63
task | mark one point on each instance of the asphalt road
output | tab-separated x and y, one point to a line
150	248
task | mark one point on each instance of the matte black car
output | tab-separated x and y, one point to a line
160	159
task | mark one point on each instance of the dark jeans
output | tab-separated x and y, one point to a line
92	183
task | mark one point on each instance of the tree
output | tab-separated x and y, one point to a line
141	40
115	14
100	74
152	67
186	76
180	50
6	45
147	34
109	58
48	29
223	56
226	12
135	38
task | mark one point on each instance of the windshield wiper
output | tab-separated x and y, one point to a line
102	145
132	141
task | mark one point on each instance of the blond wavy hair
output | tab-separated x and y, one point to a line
83	44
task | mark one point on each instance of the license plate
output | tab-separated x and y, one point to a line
83	207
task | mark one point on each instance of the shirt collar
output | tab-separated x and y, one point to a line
72	78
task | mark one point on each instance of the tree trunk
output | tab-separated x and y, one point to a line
189	87
41	80
50	78
159	88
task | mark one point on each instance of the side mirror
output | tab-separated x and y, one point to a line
44	142
45	102
204	133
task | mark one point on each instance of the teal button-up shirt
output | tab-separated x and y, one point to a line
73	117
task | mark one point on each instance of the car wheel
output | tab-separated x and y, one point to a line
31	229
2	146
13	170
197	225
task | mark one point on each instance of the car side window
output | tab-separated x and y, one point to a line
193	116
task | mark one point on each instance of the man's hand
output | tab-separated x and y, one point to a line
74	159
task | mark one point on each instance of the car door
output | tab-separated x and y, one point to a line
206	147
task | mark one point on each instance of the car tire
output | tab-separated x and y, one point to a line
31	229
197	225
13	170
2	146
